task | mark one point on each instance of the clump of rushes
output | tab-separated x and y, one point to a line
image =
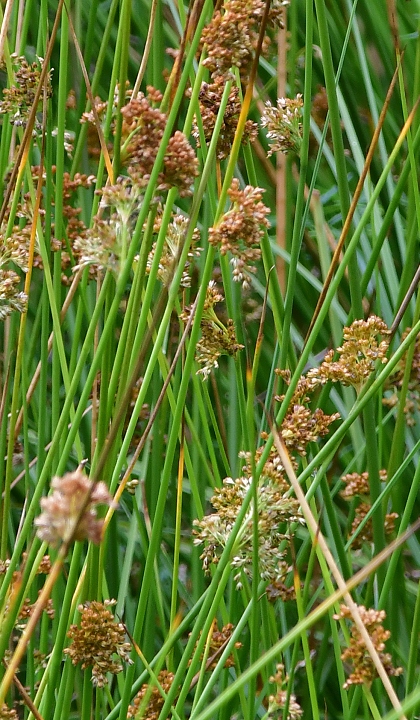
395	381
231	36
357	487
18	99
357	356
69	513
240	229
284	125
96	641
301	425
142	131
276	510
174	242
210	98
216	338
364	671
151	697
279	701
219	638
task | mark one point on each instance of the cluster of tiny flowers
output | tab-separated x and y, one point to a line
278	702
174	242
13	248
142	131
96	641
284	125
216	338
358	354
11	298
276	510
396	379
219	638
69	513
231	36
357	486
240	230
150	699
364	671
8	714
18	99
210	98
102	245
27	610
301	425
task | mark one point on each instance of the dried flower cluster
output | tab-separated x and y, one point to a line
396	379
357	486
276	510
216	338
240	230
8	714
174	242
142	132
150	699
69	513
11	298
18	99
219	639
27	610
104	245
232	35
210	98
301	425
284	125
96	641
357	356
364	671
278	702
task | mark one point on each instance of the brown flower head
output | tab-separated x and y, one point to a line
216	338
210	98
240	230
11	298
69	513
18	99
301	425
364	671
284	125
357	356
149	701
142	132
279	701
8	714
96	641
231	36
276	510
219	639
357	486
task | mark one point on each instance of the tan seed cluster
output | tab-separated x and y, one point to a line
240	229
150	699
216	338
357	486
364	671
96	641
278	702
18	99
210	99
357	356
174	242
276	510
